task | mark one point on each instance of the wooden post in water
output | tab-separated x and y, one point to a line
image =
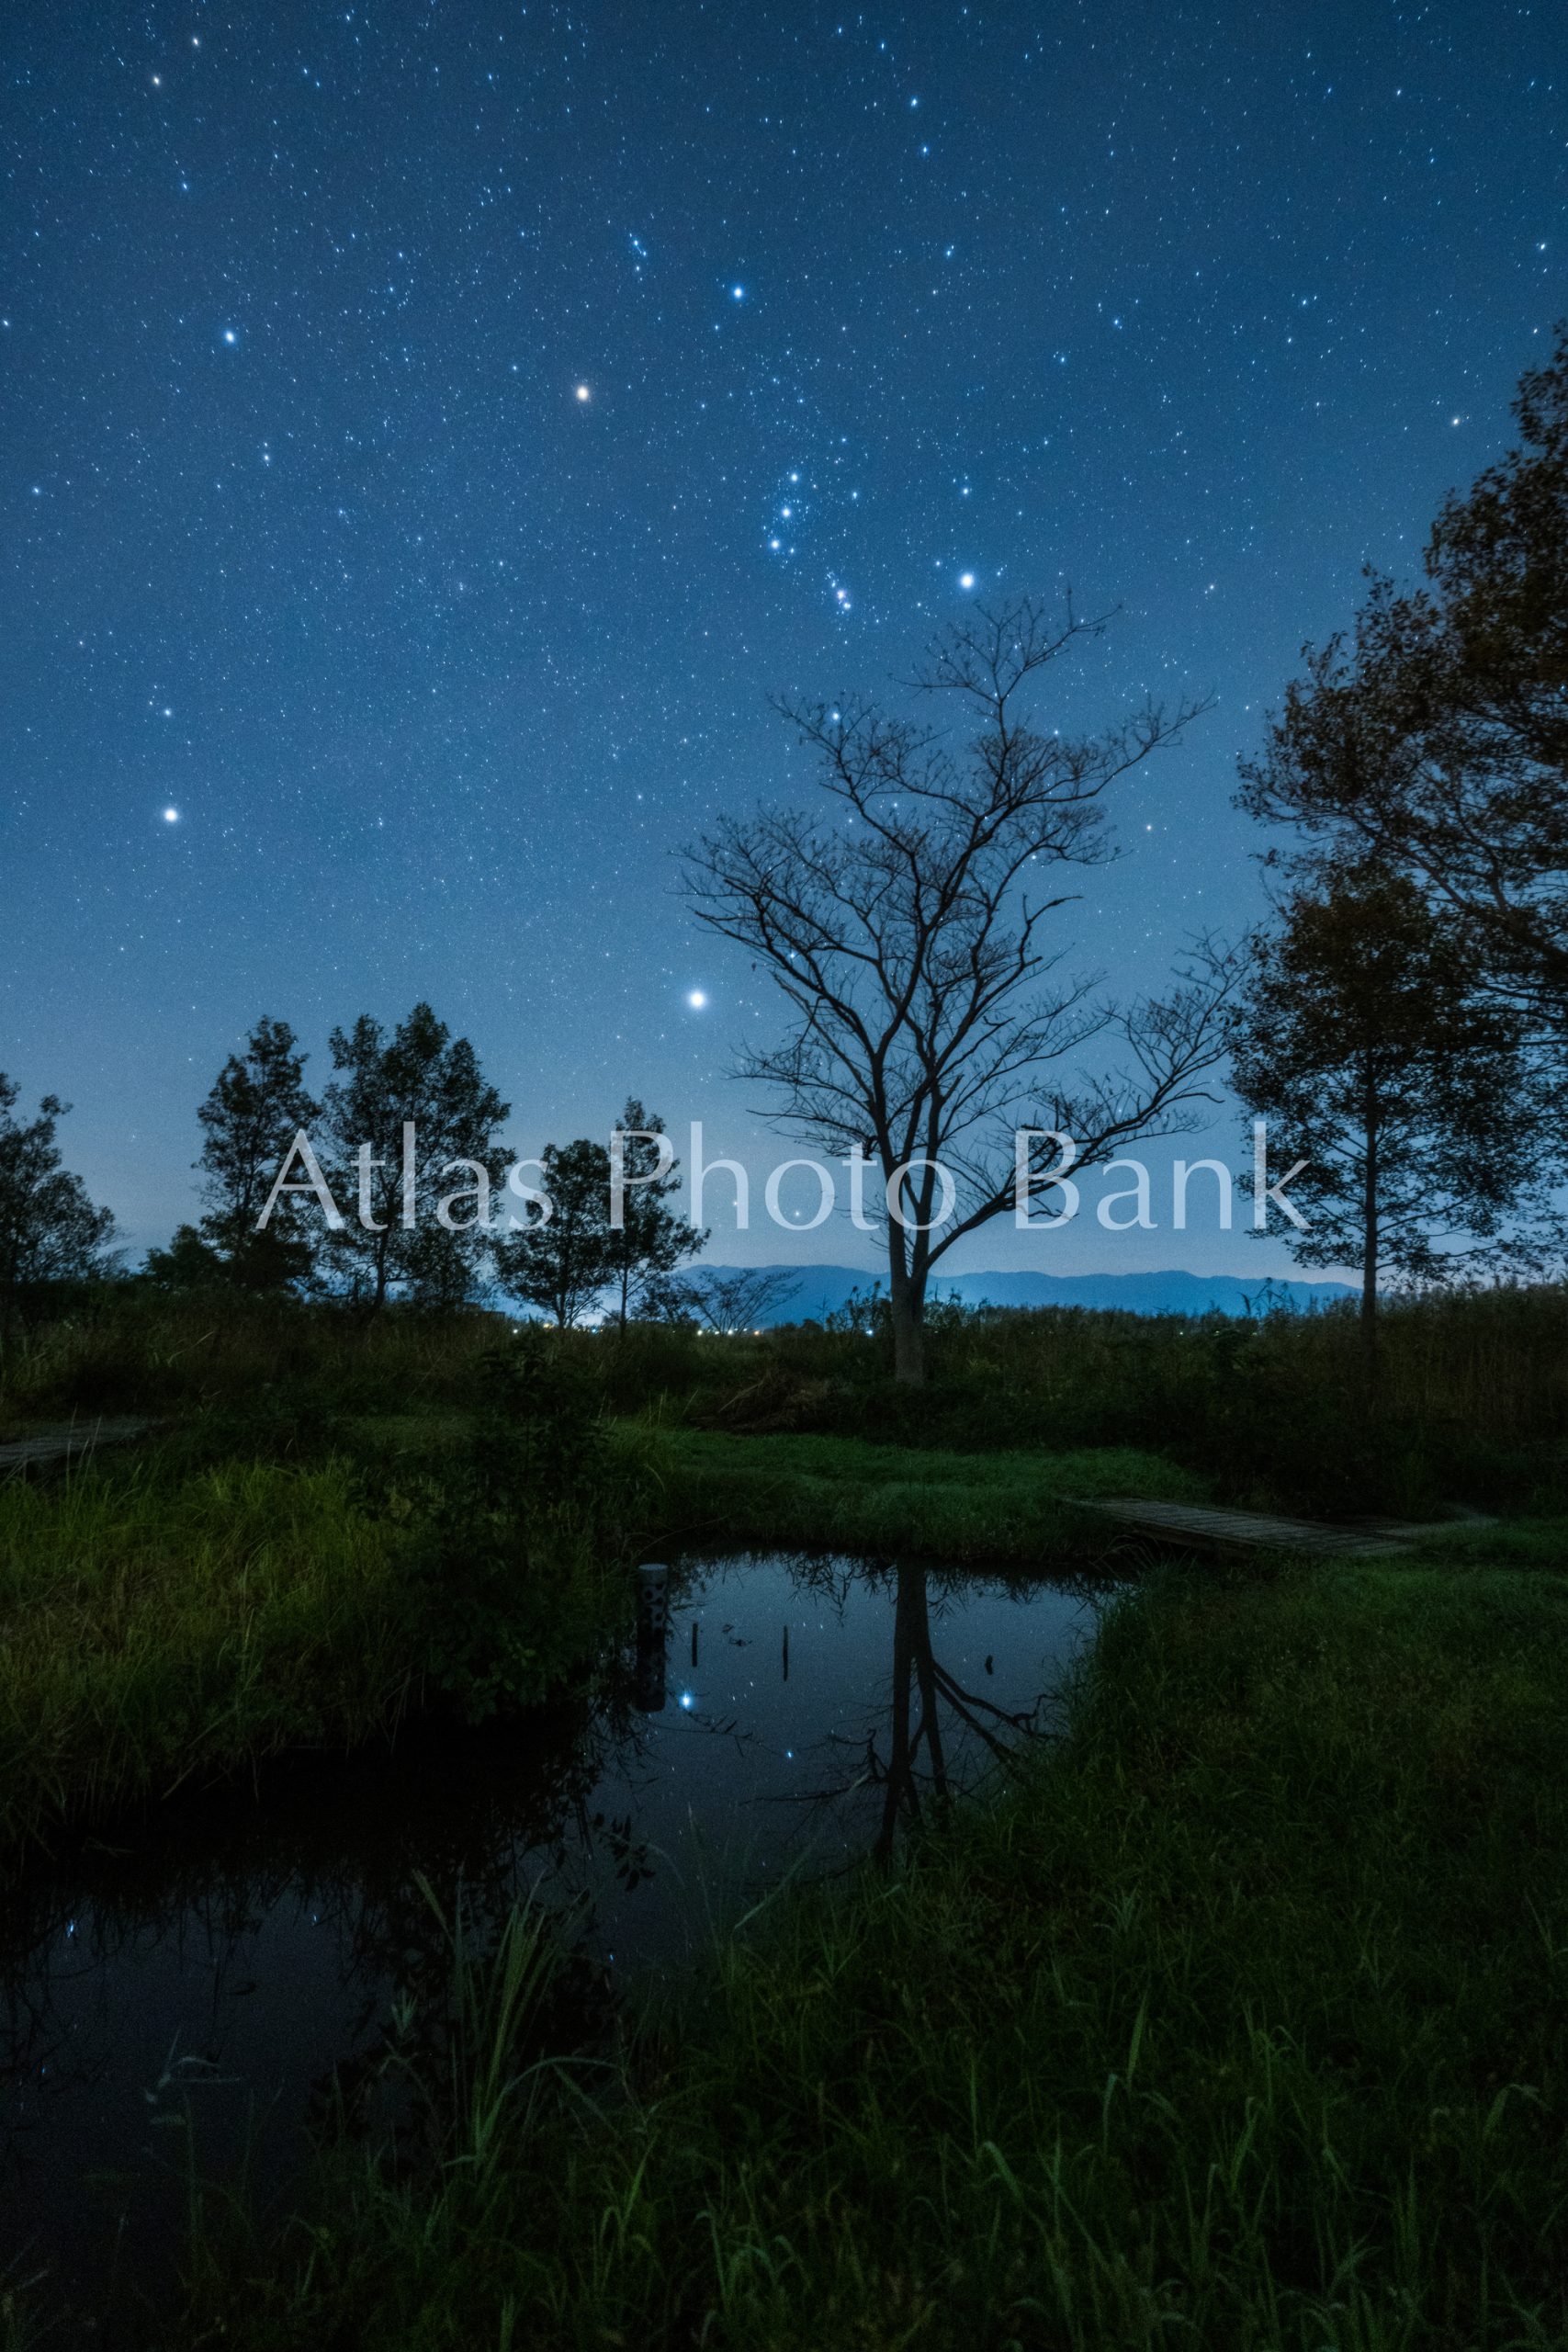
652	1635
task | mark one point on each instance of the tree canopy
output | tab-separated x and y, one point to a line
1362	1039
561	1262
255	1106
651	1239
1432	738
50	1229
419	1079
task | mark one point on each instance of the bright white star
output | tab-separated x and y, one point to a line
582	392
966	580
696	999
171	816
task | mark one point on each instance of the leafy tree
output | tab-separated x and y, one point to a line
1434	738
257	1104
49	1231
424	1078
906	925
562	1262
1361	1038
651	1240
190	1262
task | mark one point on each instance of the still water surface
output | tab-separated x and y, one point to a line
208	1973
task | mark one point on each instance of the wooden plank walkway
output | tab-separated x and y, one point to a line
70	1441
1250	1530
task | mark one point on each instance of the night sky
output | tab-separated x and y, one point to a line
430	433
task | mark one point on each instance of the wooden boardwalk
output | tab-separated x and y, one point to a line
71	1441
1249	1531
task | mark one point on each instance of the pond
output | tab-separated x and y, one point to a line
189	1991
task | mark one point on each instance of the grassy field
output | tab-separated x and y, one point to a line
836	1492
191	1607
1238	2021
154	1624
1471	1406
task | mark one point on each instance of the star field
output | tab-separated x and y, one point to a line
429	435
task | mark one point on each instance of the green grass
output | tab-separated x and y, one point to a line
839	1492
167	1612
1473	1405
1473	1402
1239	2022
153	1624
164	1614
117	1348
188	1608
1515	1543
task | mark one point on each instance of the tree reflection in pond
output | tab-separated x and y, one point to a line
918	1766
240	1953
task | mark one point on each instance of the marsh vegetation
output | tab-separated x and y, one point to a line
1178	2027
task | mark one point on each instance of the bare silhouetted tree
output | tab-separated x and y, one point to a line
906	923
729	1298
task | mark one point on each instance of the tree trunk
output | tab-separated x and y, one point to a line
1370	1235
900	1753
930	1726
907	1306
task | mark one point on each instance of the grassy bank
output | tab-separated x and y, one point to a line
1238	2021
841	1493
154	1623
194	1607
1473	1404
231	1592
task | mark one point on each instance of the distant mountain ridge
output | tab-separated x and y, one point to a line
820	1290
